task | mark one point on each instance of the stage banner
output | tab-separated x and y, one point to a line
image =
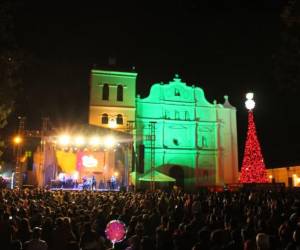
66	161
89	162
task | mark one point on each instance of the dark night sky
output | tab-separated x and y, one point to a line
225	48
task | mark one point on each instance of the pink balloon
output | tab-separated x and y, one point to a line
115	231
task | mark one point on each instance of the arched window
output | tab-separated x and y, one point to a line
187	115
167	114
119	119
204	142
120	93
105	92
104	119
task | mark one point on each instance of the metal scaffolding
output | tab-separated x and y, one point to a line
129	166
18	169
22	133
152	154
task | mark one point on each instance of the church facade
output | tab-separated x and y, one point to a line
176	131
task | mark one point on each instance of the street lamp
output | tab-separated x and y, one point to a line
17	140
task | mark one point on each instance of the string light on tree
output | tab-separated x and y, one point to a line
250	103
253	167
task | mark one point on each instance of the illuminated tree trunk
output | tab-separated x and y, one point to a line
253	168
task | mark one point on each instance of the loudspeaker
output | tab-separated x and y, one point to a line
140	167
133	160
29	163
290	181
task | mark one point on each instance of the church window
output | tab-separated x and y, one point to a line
175	141
105	92
177	93
119	119
187	115
104	119
167	115
120	93
204	142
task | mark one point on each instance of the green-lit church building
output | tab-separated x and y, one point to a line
175	130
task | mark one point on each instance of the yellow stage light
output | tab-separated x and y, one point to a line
79	141
95	141
64	140
109	142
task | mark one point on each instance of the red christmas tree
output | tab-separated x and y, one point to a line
253	168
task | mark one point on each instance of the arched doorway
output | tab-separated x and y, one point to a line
177	173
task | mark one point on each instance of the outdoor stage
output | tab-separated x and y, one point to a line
86	184
81	189
79	156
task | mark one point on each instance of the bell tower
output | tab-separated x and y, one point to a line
112	98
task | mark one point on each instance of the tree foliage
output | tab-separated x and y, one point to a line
10	63
286	79
287	58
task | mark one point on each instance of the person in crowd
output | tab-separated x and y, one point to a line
262	241
24	232
36	242
295	243
94	183
15	245
90	240
112	182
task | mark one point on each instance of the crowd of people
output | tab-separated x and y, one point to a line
68	220
87	183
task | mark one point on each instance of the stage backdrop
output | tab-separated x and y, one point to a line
86	163
90	163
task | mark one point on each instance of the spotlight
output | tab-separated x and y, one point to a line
109	142
79	141
64	140
95	141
